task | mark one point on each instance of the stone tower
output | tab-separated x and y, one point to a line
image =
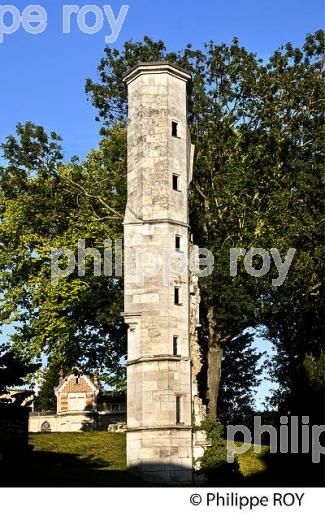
157	286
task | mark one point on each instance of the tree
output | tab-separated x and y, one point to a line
45	400
258	136
213	116
294	311
258	178
45	204
241	370
214	463
13	373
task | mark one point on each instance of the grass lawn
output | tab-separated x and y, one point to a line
88	459
98	459
251	463
277	469
105	451
74	459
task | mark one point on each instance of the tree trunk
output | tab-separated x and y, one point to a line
215	353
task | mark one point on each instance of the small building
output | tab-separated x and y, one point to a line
80	407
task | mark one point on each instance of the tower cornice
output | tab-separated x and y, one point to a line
156	67
156	359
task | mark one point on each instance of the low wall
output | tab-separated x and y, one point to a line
40	422
71	422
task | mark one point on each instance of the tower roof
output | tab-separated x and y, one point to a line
156	67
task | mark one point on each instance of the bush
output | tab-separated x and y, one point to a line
214	462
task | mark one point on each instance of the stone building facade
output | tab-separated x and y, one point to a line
80	407
161	295
76	393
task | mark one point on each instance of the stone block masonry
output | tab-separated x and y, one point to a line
158	313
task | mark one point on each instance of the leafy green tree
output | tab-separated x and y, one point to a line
257	183
14	372
258	178
315	370
294	311
222	79
45	400
45	204
241	371
214	463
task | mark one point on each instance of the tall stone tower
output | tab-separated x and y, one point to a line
157	287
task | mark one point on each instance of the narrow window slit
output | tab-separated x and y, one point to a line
178	409
175	345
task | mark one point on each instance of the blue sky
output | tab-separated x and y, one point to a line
42	77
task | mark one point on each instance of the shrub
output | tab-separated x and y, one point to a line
214	462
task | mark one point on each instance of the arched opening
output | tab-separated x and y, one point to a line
46	427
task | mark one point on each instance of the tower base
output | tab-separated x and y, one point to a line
162	455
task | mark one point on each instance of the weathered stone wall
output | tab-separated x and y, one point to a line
62	423
74	422
199	440
161	455
158	445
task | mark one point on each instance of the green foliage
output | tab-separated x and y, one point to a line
312	388
46	398
109	96
293	313
257	183
315	370
45	204
214	462
241	371
257	128
13	373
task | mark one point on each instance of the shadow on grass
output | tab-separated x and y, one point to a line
265	469
51	469
287	470
280	471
